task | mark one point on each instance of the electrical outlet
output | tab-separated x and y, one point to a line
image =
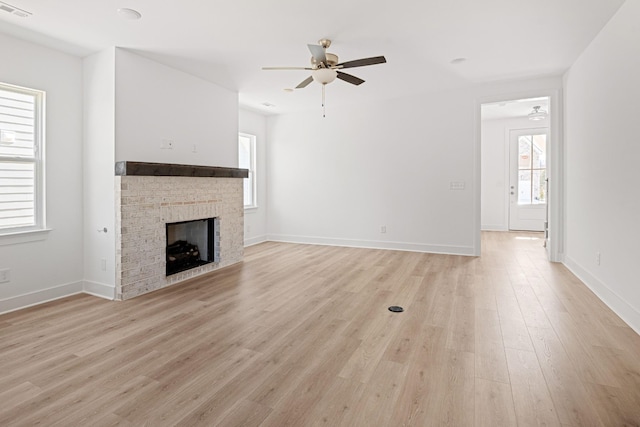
597	258
383	229
103	264
5	276
170	144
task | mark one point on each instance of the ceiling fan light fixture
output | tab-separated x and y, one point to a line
324	75
537	114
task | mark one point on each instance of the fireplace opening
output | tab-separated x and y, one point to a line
191	244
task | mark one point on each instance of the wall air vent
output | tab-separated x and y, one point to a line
14	10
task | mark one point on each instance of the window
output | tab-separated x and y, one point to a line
21	159
247	160
532	169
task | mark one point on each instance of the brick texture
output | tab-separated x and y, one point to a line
144	204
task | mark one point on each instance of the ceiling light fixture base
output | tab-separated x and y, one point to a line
537	114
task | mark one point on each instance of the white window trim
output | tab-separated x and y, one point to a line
24	236
252	172
39	230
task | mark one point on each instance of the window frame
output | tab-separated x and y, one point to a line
252	169
38	161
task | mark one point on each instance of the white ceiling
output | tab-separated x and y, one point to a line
229	41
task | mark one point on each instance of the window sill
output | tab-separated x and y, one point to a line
24	236
250	209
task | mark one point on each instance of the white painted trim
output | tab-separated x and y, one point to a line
477	180
628	313
556	178
39	297
24	236
255	240
494	227
374	244
101	290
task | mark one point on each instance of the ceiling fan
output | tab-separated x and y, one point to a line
325	67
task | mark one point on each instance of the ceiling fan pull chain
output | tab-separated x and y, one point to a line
323	107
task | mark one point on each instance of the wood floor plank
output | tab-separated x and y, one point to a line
461	325
379	397
337	405
515	334
490	361
294	407
10	397
301	335
453	400
246	414
566	386
581	352
614	406
493	404
533	403
420	388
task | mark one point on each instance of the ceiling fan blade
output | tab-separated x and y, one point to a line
287	68
350	79
317	52
305	82
362	62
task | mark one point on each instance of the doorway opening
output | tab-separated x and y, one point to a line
515	153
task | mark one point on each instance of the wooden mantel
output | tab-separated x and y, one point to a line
167	169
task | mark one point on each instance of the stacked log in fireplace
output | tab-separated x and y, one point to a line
182	255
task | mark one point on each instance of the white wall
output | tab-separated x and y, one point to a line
155	102
602	90
255	220
337	180
495	169
99	156
49	268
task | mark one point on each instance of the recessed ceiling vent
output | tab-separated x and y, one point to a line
14	10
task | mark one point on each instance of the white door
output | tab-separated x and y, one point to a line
528	150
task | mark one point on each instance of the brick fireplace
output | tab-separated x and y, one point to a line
151	195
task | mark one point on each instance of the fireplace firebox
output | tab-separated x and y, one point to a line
191	244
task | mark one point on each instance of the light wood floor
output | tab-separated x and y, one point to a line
301	335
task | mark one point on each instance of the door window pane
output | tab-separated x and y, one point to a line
532	173
539	151
524	187
539	187
524	152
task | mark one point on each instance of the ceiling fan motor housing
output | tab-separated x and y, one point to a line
332	60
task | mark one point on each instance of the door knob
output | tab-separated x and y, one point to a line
512	193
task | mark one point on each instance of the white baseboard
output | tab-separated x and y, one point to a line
374	244
101	290
255	240
492	227
39	297
628	313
